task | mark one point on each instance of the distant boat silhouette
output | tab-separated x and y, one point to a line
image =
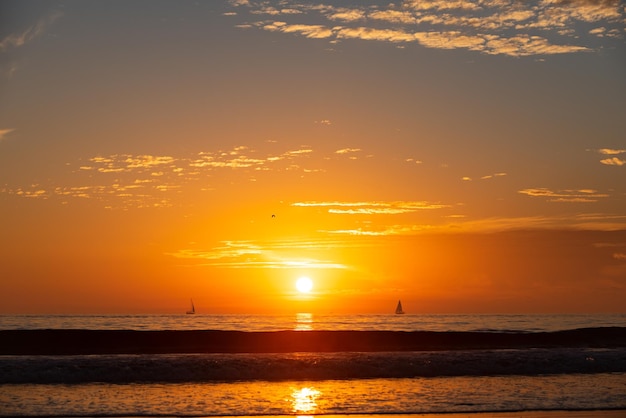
192	310
399	310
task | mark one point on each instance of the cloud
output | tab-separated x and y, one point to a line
16	40
125	181
490	176
372	208
582	195
619	256
264	255
347	150
4	133
581	221
381	232
613	161
496	27
609	151
309	31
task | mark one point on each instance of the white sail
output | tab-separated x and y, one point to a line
399	310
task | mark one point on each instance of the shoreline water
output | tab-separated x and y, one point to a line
592	413
598	413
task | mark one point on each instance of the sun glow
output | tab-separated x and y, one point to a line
304	284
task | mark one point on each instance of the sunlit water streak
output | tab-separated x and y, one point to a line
370	396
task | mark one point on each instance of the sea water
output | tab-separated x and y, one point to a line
252	384
308	321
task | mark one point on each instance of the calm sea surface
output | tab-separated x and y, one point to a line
307	321
219	384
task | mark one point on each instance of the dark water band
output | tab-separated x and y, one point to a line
73	342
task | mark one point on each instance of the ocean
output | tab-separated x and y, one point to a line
305	364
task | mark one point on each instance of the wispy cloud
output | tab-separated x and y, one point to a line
264	255
4	133
381	231
581	195
373	208
463	224
540	27
578	221
485	177
16	40
609	151
347	150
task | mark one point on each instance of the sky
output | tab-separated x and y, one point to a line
464	156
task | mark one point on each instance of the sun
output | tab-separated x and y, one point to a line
304	284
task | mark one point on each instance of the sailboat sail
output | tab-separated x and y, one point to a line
399	310
193	309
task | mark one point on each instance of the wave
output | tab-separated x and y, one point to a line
83	356
74	342
169	368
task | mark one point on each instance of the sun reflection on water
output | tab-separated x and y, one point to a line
304	400
304	322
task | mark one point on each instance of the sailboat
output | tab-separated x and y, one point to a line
192	310
399	310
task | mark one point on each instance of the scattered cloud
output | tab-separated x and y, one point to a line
4	133
540	27
581	195
611	160
145	181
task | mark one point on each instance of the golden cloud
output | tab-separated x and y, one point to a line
582	195
264	255
374	207
613	161
609	151
489	26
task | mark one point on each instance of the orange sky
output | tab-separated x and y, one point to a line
462	158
